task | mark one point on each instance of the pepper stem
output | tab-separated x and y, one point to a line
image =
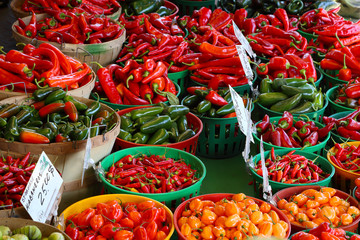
97	64
337	38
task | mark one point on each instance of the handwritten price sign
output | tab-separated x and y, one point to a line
42	189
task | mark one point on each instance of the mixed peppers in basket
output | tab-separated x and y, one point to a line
347	127
292	169
348	95
151	174
292	133
119	221
53	117
156	125
346	157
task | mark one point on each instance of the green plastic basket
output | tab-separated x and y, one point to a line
334	107
306	35
123	106
336	137
277	186
330	81
313	149
220	138
312	115
188	7
181	79
171	199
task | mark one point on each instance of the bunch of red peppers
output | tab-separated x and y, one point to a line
45	65
136	84
71	27
288	66
348	95
14	176
348	126
118	221
292	133
324	232
151	174
98	7
291	168
346	157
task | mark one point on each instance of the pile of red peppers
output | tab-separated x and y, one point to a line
348	95
38	67
292	133
348	126
151	174
14	176
70	27
291	169
346	157
136	84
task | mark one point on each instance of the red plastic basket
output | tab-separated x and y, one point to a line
189	145
173	7
217	197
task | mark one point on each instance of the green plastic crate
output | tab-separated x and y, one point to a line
313	149
334	107
123	106
336	137
330	81
188	7
181	79
277	186
171	199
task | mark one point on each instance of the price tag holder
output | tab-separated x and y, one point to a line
267	191
42	189
87	158
243	41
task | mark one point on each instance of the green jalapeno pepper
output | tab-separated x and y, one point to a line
140	138
155	124
140	121
160	136
268	99
55	117
175	111
42	93
143	112
3	122
47	133
9	111
93	109
201	93
212	112
24	115
225	110
53	126
305	107
164	11
293	82
191	101
80	106
173	132
318	102
12	126
223	91
308	91
104	114
126	123
189	133
37	123
266	85
55	96
287	104
295	7
145	6
124	135
79	134
182	124
85	120
228	97
203	106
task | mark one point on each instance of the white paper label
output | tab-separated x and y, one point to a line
42	189
267	193
245	63
243	40
87	158
243	115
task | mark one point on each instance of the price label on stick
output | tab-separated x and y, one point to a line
243	40
87	158
267	193
42	189
245	63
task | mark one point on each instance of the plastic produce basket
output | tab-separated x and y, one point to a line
187	7
123	106
220	138
330	81
288	192
306	35
171	199
313	149
349	234
334	107
189	145
217	197
336	137
312	115
343	179
353	194
277	186
124	198
173	7
181	79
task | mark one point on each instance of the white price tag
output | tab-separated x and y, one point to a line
243	40
87	158
243	115
245	63
42	189
267	193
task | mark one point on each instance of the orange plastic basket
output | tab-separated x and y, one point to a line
189	145
217	197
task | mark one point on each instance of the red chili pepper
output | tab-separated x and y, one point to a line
63	60
264	125
215	98
9	78
281	14
30	29
32	137
286	121
108	85
18	68
146	93
71	111
311	140
159	71
275	137
323	132
285	140
219	52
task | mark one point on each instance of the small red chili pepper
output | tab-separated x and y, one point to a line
71	111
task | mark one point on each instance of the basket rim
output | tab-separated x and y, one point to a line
167	194
129	106
331	150
284	148
330	91
337	135
223	195
326	103
331	77
301	184
172	6
126	110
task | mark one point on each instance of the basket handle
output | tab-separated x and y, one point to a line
87	53
12	84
